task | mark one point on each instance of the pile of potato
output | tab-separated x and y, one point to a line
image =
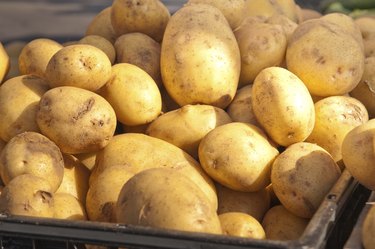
226	117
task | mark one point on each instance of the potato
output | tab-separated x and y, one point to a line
307	14
286	24
200	59
77	120
13	50
368	233
327	58
367	27
238	156
76	178
365	90
101	25
35	56
234	11
282	106
280	224
334	117
32	153
19	99
241	225
80	65
104	191
87	159
261	45
186	126
255	204
358	153
269	8
165	198
142	51
302	176
130	149
68	207
27	195
4	63
145	16
241	109
101	43
133	94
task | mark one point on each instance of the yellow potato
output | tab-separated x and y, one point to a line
358	153
335	116
35	56
326	57
32	153
269	8
302	176
238	156
165	198
241	225
234	11
261	45
142	51
200	59
255	204
185	127
367	28
77	120
68	207
282	105
133	94
101	43
280	224
80	65
145	16
19	99
287	25
101	25
4	63
365	90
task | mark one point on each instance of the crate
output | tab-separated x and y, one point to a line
323	231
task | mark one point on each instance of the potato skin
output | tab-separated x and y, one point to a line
238	156
4	62
77	120
32	153
282	105
165	198
241	225
301	177
101	43
68	207
200	59
101	25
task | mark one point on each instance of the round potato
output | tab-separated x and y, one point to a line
238	156
101	25
327	58
200	59
142	51
79	65
241	225
77	120
302	176
367	27
68	207
101	43
185	127
261	45
280	224
104	191
32	153
130	149
365	90
165	198
35	56
358	154
76	178
368	232
145	16
255	204
334	117
241	109
27	195
133	94
269	8
283	106
4	62
19	99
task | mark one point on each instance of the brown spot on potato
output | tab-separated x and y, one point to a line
107	209
44	195
85	108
